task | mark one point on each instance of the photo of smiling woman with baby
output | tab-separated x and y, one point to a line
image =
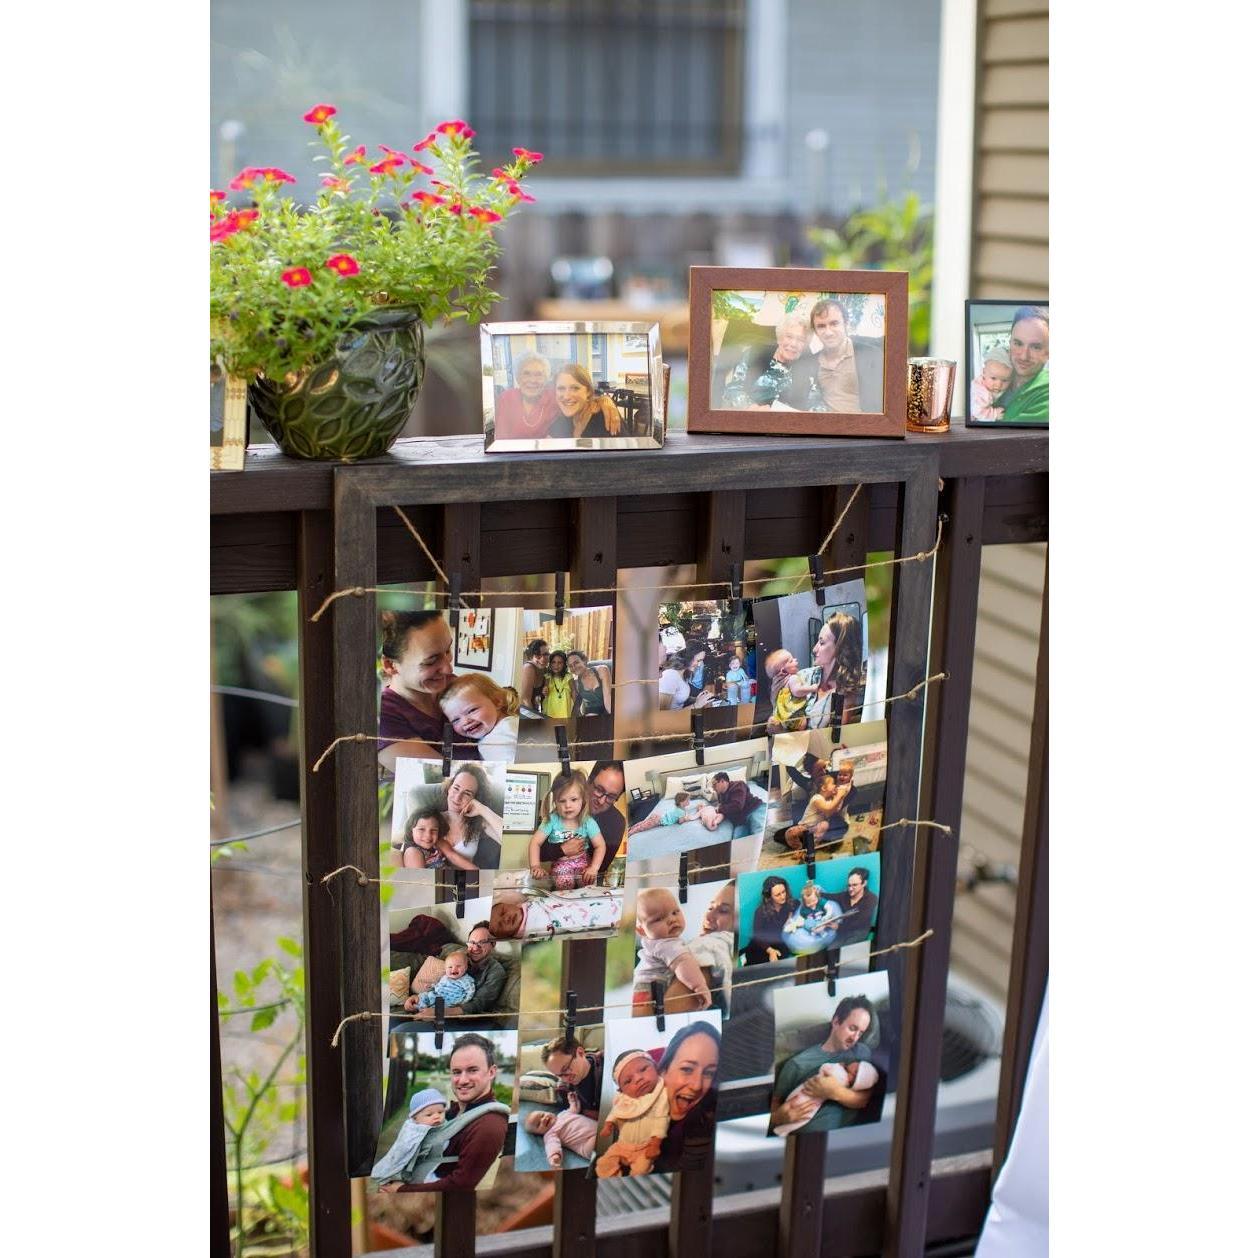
448	821
658	1108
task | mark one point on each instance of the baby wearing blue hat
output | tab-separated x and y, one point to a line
417	1151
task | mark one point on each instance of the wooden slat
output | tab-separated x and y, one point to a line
1014	130
446	469
1028	971
354	710
220	1228
935	867
1014	218
1015	85
1018	39
321	918
1016	174
1006	257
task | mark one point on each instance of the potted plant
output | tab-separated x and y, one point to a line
321	308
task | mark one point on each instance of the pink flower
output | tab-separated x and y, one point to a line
517	192
386	164
483	215
342	264
419	166
216	196
336	183
455	129
428	198
221	228
251	175
358	155
528	157
319	114
429	141
245	217
296	277
455	207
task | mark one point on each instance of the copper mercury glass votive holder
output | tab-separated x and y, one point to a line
930	394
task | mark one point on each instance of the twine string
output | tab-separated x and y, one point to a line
367	1015
838	524
681	736
359	591
432	559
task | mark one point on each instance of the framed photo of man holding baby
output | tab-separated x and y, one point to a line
1006	364
798	351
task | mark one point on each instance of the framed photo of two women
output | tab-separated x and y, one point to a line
798	351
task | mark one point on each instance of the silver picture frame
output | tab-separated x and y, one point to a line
648	431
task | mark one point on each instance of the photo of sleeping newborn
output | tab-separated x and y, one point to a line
831	1055
528	909
677	805
658	1109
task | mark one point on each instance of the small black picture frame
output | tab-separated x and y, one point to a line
983	318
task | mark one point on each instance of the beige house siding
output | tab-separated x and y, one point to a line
1009	259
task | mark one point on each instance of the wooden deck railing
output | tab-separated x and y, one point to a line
711	501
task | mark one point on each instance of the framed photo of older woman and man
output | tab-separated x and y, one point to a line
798	351
573	386
1006	364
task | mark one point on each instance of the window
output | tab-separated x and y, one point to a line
603	85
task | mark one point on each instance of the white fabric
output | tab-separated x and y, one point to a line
409	1138
1017	1221
673	684
499	743
657	958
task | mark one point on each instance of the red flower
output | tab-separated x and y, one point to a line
427	170
517	192
455	129
358	155
251	174
342	264
245	217
319	114
455	207
428	198
296	277
336	183
386	164
216	196
429	141
484	215
221	228
528	156
445	187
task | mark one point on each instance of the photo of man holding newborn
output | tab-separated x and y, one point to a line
841	1081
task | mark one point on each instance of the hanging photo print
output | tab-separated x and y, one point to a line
565	669
448	821
525	908
831	792
561	1084
567	829
677	805
706	655
684	942
832	1054
426	680
812	657
432	952
659	1095
446	1112
788	914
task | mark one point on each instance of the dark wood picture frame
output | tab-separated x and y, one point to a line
970	364
891	285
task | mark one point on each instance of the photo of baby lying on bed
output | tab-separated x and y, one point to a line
788	914
832	1054
677	805
525	908
658	1109
561	1081
830	792
683	945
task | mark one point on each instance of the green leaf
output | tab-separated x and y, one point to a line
240	980
291	946
260	971
263	1018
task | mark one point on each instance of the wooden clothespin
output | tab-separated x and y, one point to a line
683	877
438	1021
657	1000
818	580
460	892
735	582
570	1021
560	579
696	733
447	747
832	970
810	853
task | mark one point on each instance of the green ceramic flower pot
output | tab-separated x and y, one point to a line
355	404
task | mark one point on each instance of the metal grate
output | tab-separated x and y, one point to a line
602	85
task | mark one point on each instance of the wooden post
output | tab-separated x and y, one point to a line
321	916
357	814
1028	966
935	868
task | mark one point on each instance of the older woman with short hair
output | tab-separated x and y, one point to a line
784	373
529	409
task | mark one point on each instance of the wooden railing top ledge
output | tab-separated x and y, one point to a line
454	469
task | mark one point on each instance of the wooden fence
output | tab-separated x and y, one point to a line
282	524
